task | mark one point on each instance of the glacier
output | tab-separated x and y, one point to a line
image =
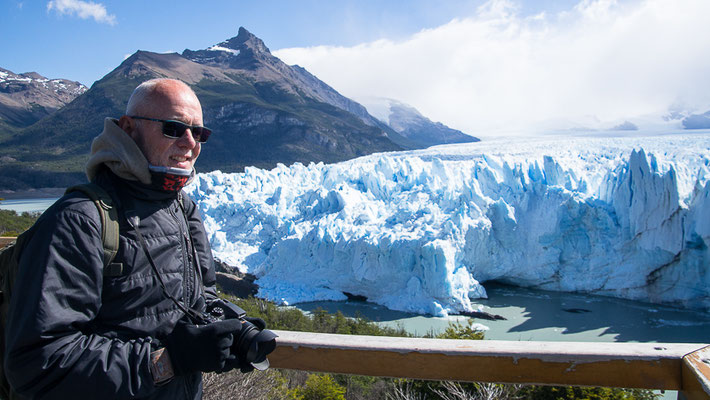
420	231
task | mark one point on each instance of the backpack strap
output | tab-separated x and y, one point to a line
109	220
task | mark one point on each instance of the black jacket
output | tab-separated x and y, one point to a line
73	332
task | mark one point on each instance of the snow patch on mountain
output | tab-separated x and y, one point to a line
421	230
225	49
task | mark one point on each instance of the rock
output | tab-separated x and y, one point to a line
240	286
483	315
355	297
576	310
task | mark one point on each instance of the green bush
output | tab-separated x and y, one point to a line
320	387
12	224
457	330
292	319
588	393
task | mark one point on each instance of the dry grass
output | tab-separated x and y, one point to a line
234	385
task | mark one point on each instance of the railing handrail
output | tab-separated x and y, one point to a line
629	365
5	240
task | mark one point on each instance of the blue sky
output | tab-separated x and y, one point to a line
54	39
472	64
59	42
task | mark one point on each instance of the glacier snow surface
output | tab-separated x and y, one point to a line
420	231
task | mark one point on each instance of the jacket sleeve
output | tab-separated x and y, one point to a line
50	349
204	251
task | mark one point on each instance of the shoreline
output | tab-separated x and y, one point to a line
41	193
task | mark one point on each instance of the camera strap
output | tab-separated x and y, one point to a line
192	246
194	316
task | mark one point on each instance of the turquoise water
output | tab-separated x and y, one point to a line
550	316
27	205
536	315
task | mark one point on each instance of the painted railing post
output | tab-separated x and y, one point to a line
696	375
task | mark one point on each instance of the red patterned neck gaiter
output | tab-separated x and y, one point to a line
169	179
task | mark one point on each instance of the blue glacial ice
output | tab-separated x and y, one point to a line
421	230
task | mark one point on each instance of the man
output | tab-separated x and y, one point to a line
77	330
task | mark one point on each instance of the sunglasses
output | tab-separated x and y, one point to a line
175	129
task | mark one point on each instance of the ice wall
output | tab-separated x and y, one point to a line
419	231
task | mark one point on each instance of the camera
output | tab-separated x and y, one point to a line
253	343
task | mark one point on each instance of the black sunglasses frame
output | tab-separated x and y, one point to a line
175	129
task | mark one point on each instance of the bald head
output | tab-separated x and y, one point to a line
163	99
156	91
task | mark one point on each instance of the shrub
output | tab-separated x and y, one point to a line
320	387
292	319
12	224
457	330
590	393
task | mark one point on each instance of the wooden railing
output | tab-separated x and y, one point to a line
669	366
4	240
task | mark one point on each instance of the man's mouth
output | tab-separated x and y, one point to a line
179	158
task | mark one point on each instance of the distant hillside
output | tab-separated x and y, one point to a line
27	98
697	121
417	130
263	112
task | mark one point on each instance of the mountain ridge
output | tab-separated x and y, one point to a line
419	130
250	49
28	97
263	112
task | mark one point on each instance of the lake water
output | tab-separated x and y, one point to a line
537	315
550	316
27	205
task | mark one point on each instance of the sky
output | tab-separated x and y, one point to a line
481	66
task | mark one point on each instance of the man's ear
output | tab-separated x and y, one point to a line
128	125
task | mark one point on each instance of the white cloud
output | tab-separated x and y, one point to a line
83	10
599	62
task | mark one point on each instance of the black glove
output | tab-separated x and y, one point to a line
258	322
201	348
237	360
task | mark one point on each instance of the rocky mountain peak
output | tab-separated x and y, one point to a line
241	51
246	40
28	97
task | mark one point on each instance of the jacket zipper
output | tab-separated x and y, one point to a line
187	278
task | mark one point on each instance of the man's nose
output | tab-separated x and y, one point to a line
187	140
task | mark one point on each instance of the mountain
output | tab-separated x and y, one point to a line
421	231
262	112
256	60
417	130
625	126
697	121
27	98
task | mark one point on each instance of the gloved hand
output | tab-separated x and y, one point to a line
258	322
237	360
201	348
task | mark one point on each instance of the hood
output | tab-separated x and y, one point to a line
115	149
